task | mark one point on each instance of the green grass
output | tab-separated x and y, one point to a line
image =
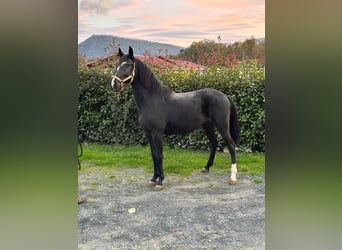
178	161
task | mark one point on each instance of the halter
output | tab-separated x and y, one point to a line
122	81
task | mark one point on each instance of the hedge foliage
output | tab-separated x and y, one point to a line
108	117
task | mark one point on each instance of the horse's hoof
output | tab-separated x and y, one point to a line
151	183
158	187
232	182
205	170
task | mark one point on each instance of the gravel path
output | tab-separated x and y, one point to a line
198	212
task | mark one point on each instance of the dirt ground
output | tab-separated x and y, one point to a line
198	212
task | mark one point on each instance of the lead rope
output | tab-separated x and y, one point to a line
80	154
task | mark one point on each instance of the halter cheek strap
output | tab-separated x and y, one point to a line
122	81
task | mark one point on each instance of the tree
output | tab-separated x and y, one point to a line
209	52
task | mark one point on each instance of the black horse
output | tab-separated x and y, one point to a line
162	111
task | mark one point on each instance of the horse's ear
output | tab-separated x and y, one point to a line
120	53
130	52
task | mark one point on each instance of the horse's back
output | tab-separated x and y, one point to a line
214	99
207	94
202	101
212	94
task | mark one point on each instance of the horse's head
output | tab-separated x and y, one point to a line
125	70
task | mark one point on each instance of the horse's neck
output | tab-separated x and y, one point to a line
146	86
141	95
147	78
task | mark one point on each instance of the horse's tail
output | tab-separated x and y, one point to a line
234	127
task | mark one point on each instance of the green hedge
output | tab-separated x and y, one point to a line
108	117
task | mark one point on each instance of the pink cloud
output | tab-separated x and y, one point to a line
238	18
146	17
224	4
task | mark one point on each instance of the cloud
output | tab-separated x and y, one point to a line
225	4
180	33
149	31
237	19
85	28
103	7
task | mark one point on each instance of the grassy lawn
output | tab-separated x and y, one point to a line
179	161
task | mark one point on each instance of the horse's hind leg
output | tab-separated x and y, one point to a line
209	131
231	147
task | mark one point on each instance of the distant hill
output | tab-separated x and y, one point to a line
98	46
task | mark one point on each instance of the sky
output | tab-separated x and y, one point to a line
177	22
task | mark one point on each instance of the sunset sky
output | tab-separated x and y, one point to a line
177	22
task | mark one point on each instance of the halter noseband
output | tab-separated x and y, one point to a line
122	81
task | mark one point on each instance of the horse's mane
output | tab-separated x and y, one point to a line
149	80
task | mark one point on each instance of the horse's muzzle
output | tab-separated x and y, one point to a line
116	85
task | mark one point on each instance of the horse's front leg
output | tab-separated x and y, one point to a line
156	143
153	181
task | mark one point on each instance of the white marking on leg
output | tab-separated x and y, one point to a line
233	172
